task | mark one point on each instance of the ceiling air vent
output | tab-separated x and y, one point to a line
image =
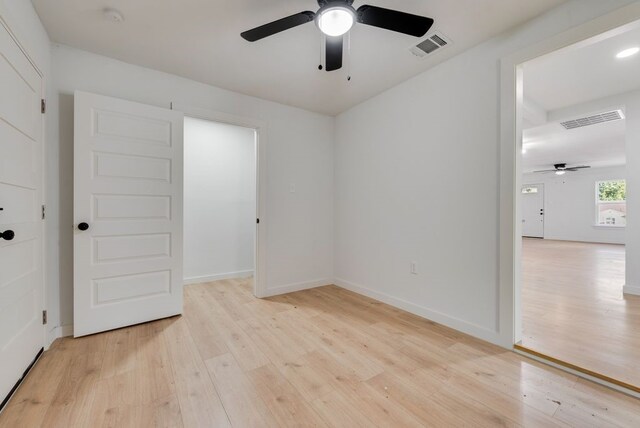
593	120
434	42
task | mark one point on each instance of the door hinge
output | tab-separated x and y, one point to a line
43	106
44	317
43	212
257	221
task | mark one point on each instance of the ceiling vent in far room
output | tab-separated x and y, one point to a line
593	120
435	41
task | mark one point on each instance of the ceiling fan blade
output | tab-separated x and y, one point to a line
546	170
278	26
394	20
334	53
576	168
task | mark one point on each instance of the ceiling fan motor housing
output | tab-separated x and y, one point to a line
323	3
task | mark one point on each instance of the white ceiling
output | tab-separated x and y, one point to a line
200	39
574	76
577	75
599	145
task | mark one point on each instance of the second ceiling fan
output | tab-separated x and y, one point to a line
336	17
562	169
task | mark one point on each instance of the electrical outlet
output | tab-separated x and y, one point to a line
413	268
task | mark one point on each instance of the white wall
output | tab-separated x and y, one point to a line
219	200
631	103
569	205
417	179
299	151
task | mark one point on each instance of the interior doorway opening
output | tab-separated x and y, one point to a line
578	110
220	202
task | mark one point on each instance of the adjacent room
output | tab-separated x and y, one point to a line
329	213
219	201
576	307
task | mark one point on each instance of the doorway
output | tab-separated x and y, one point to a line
220	173
257	128
128	209
572	140
533	211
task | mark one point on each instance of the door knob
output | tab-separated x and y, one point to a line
7	235
83	226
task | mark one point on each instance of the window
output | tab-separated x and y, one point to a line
611	203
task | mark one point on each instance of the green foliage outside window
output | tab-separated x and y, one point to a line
612	191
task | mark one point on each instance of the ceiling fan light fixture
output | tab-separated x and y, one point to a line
561	172
336	20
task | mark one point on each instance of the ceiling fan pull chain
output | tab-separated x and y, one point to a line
349	56
322	45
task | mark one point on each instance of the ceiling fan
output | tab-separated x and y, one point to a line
562	169
336	17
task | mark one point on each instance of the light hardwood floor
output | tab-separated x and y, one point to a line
323	357
574	309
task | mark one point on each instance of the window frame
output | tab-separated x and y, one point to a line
598	202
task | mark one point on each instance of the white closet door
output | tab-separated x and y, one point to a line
21	302
128	213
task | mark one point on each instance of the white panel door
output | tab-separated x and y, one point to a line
128	213
21	300
533	211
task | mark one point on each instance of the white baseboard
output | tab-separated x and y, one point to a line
217	277
421	311
628	289
58	332
299	286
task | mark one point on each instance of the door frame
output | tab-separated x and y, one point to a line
46	340
260	127
544	211
511	113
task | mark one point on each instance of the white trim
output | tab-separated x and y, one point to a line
298	286
42	160
511	110
630	289
58	332
578	373
422	311
217	277
65	330
260	282
14	36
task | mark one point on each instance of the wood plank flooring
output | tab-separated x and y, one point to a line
574	309
322	357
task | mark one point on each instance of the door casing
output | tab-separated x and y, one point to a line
509	325
260	127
